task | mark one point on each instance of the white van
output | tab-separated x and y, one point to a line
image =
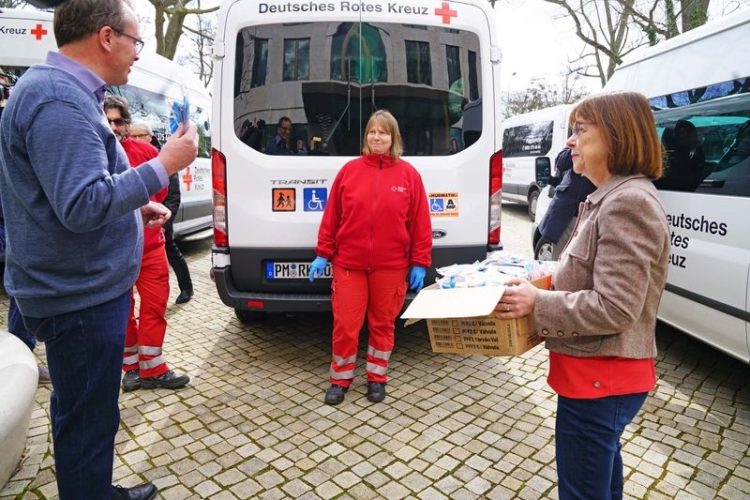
27	35
327	66
699	87
526	137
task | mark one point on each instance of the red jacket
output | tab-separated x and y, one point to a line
140	152
377	216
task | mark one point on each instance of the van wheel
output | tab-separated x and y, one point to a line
250	317
544	249
533	198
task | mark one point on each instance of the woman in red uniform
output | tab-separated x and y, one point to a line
376	226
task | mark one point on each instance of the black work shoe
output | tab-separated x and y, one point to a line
145	491
335	394
375	391
184	296
167	380
131	381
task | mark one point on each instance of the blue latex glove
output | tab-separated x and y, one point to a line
416	278
317	267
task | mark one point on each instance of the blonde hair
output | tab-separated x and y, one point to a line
140	128
389	124
629	131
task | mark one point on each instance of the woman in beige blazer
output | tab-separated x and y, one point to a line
599	320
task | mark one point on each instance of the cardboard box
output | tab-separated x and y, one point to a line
459	321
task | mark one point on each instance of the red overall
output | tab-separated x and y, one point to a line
144	336
376	224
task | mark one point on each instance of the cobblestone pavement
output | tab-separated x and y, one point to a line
252	423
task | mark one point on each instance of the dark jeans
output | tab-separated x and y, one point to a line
587	444
84	353
177	260
16	325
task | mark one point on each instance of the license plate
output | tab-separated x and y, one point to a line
292	270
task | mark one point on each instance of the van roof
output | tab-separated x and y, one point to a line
713	53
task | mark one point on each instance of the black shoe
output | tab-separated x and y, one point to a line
375	391
184	296
145	491
167	380
335	394
131	381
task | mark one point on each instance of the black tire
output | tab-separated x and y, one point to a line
544	249
533	198
250	317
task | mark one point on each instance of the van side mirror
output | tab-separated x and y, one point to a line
543	168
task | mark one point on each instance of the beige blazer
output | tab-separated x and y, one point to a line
611	276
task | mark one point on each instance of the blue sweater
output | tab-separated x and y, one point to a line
70	200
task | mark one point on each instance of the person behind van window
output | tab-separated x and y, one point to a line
600	319
70	187
557	224
279	144
685	158
143	363
142	131
371	252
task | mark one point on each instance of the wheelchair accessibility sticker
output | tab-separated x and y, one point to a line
315	199
443	204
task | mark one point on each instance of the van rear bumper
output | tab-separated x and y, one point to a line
272	302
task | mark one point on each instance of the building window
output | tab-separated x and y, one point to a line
473	84
358	54
454	64
418	67
260	63
297	59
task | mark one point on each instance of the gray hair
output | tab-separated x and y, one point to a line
77	19
117	102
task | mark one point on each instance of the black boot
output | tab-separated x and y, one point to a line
184	296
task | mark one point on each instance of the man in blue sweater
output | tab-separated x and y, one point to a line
74	213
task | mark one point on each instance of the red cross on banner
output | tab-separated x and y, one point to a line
38	32
446	13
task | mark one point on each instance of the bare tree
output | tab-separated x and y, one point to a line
201	41
169	20
542	94
11	4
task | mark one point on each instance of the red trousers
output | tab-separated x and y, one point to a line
144	337
380	294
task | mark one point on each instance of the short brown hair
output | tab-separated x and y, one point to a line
628	130
385	119
77	19
117	102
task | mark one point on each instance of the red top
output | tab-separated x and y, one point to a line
139	152
599	377
377	216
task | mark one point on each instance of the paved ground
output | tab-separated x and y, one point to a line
252	424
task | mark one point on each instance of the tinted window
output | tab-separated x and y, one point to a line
428	77
706	136
534	139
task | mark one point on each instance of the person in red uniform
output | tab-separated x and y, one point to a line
143	363
376	225
600	320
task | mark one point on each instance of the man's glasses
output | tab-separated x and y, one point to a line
137	41
119	121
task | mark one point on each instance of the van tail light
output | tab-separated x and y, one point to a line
496	188
219	181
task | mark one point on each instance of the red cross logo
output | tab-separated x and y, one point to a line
38	32
187	178
446	12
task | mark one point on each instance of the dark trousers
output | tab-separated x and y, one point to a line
587	445
16	325
177	260
84	353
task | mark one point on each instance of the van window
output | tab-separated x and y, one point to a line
329	77
534	139
707	140
153	108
